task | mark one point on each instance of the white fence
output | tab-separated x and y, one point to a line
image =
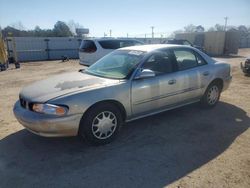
245	42
39	48
50	48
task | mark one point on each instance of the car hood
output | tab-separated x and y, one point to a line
59	85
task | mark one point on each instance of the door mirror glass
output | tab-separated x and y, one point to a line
145	73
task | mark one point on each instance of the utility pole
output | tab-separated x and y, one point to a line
110	32
225	27
152	27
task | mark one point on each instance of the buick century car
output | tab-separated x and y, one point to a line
125	85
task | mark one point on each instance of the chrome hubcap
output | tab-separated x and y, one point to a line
104	125
213	95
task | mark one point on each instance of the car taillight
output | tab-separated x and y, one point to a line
87	50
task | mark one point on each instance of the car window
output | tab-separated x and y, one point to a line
186	43
185	59
87	46
115	44
136	43
159	63
110	44
126	43
117	65
200	60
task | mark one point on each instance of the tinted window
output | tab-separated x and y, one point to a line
88	46
109	44
174	42
185	59
186	43
126	43
115	44
160	63
200	60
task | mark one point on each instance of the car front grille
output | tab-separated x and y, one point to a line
24	103
247	62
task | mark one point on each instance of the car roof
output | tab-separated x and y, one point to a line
152	47
112	39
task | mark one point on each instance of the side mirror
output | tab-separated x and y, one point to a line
145	73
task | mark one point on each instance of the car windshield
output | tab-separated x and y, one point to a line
116	65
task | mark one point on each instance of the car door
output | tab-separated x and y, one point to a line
193	73
155	93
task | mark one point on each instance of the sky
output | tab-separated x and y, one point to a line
132	17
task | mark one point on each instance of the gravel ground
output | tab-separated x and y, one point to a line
185	147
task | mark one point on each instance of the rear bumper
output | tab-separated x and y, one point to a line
47	125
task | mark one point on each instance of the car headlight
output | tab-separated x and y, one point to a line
50	109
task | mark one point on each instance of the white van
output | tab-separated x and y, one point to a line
93	49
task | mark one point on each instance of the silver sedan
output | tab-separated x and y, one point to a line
127	84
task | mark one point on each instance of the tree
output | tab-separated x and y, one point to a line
10	31
17	25
243	30
211	29
190	28
61	29
248	29
219	27
199	28
37	31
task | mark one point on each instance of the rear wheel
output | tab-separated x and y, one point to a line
211	96
101	123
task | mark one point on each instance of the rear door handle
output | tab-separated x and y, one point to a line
171	82
205	73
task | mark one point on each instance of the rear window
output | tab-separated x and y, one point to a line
115	44
88	46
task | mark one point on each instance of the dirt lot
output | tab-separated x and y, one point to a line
186	147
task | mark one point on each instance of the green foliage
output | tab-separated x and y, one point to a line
60	30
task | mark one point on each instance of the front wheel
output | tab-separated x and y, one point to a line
211	96
101	124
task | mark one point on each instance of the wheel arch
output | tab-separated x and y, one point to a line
109	101
218	81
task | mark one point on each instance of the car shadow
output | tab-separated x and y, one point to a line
151	152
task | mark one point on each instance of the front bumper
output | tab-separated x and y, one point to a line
245	69
47	125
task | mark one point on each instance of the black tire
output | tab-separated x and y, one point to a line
206	100
89	122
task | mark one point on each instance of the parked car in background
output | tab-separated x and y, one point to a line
127	84
246	66
183	42
92	50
